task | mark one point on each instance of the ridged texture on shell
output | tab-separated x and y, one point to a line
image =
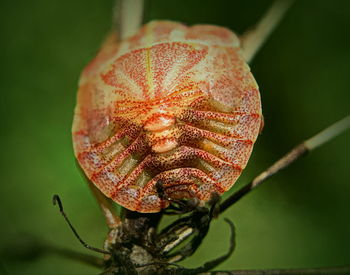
173	104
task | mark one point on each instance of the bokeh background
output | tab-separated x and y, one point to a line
299	218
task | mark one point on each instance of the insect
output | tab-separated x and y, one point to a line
146	147
172	103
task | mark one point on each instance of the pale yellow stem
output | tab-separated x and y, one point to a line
254	39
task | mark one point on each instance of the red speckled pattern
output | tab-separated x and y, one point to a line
172	104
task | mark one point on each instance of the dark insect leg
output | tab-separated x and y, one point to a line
201	228
196	224
205	267
56	199
174	234
214	263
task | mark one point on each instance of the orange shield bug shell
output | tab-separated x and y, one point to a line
172	103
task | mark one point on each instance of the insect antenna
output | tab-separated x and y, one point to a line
56	200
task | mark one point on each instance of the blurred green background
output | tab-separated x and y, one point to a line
299	218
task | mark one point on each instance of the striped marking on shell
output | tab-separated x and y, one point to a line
171	103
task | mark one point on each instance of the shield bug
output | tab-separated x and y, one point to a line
171	113
171	103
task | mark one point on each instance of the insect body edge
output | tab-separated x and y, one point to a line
174	104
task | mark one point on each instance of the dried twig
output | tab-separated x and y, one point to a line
298	151
254	39
297	271
127	17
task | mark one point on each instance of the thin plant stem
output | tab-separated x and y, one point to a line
296	271
254	39
127	17
297	152
328	133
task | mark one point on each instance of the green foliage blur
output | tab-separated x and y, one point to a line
299	218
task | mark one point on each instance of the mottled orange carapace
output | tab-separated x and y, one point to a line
173	104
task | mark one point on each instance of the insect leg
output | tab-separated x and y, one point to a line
183	228
196	224
254	39
213	263
174	234
56	200
208	265
200	229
